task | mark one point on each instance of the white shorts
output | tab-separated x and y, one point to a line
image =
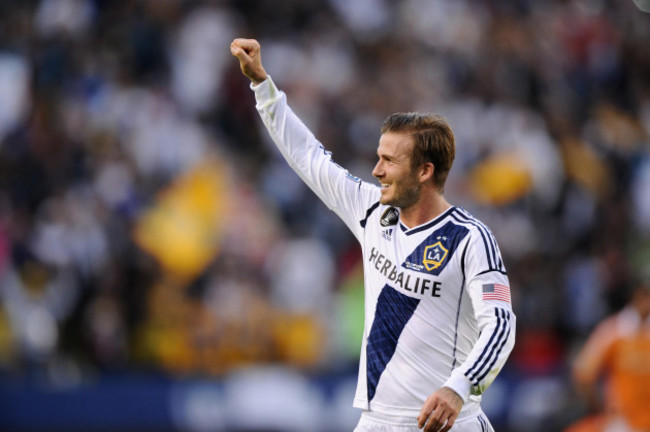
375	422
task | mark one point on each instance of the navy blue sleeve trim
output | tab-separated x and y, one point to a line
483	424
499	349
368	213
492	350
492	270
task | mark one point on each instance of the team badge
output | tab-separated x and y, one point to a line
434	255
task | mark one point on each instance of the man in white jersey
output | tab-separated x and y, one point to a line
439	324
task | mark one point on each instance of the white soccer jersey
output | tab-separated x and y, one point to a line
437	298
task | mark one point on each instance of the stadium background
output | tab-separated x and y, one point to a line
162	269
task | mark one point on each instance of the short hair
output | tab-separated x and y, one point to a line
433	138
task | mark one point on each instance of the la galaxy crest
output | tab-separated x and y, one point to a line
434	256
435	252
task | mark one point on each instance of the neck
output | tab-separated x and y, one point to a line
424	210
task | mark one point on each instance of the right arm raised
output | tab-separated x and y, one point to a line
343	193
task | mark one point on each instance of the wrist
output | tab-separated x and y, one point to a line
459	384
259	79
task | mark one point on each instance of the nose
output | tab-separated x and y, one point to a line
378	170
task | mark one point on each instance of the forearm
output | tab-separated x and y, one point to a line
297	144
341	192
487	357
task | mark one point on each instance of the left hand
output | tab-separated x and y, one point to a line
441	408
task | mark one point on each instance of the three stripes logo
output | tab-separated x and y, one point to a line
485	362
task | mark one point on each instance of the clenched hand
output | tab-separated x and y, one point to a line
247	52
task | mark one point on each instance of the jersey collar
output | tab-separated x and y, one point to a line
426	225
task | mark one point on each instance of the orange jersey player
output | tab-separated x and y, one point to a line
619	351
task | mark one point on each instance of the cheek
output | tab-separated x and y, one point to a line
409	185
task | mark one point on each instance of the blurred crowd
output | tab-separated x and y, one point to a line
146	222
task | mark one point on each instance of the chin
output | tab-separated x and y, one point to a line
385	200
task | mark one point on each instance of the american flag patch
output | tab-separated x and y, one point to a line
496	292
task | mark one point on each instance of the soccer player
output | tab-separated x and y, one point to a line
438	318
619	351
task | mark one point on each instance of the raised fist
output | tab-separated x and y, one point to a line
247	52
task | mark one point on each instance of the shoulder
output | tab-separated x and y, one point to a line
463	217
482	245
619	325
478	231
611	328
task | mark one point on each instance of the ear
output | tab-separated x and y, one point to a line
426	172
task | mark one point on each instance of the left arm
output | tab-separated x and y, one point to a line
489	290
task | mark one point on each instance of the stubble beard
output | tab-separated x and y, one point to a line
405	194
